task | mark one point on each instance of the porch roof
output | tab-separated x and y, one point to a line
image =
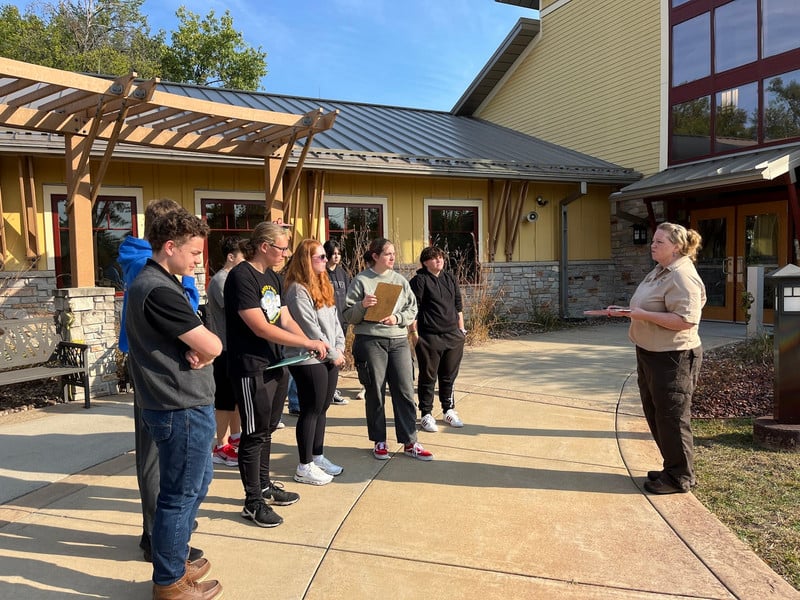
725	171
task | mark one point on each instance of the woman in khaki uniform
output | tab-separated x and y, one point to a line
665	316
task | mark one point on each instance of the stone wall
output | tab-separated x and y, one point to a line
633	261
26	293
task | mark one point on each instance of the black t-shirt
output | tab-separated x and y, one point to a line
246	287
168	311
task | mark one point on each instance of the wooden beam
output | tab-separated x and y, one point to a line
27	190
3	246
81	237
517	219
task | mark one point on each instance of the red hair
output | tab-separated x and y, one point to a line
301	271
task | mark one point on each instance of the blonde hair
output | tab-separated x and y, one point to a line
688	240
301	271
264	232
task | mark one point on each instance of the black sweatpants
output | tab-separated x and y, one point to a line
438	357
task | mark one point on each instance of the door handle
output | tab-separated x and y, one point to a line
727	268
740	269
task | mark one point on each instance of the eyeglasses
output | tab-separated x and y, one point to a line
320	257
283	250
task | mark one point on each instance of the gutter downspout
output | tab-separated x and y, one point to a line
563	259
794	209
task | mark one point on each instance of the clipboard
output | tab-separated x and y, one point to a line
292	360
387	294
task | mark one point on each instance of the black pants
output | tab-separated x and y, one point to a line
438	357
666	384
260	401
315	387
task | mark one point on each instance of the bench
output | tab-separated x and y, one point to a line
31	349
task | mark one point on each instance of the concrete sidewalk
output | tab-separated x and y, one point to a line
538	496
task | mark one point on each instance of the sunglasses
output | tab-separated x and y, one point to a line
320	257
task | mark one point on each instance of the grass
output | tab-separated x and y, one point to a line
752	490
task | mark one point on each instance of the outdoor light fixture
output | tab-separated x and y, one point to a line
639	233
541	201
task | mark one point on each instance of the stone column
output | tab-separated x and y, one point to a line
87	315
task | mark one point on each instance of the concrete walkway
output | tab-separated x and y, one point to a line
538	496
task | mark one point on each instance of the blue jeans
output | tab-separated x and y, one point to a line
294	402
184	439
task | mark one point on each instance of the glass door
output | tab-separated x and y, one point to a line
715	261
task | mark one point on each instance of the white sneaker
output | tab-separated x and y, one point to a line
312	474
362	393
281	425
327	466
428	423
451	418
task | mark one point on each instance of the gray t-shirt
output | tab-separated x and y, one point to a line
216	305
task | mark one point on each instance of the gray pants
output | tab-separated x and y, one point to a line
380	361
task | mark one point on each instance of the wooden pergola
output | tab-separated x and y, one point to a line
86	109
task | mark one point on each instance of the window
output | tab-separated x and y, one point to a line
112	220
782	106
735	35
691	50
354	224
691	128
746	94
736	123
455	230
227	216
781	24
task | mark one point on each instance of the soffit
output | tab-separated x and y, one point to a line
740	169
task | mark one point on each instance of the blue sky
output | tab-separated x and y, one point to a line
415	53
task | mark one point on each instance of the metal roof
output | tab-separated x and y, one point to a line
744	168
412	141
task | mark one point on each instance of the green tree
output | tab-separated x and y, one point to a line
782	114
211	52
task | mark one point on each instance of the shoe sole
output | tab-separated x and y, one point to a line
249	517
220	461
381	456
418	457
340	403
301	479
458	425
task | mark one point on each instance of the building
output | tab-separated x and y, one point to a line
701	96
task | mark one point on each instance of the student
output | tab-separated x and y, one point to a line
133	255
310	299
381	352
226	412
340	280
440	336
172	353
258	324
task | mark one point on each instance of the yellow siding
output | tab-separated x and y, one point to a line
591	83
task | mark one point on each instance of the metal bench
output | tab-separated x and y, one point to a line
31	349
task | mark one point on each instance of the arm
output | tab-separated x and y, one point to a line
354	302
204	346
667	320
289	334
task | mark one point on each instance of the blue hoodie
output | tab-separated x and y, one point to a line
133	255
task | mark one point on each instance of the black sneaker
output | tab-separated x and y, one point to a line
275	494
261	514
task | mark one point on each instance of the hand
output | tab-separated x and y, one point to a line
339	362
195	360
390	320
618	311
369	300
319	348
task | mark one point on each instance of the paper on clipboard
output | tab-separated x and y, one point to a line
292	360
387	294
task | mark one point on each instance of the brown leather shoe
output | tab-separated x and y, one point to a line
185	589
197	570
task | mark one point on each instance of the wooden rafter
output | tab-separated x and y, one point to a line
27	190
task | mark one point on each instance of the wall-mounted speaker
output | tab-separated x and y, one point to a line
532	216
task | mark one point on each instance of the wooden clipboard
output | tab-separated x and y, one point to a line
387	294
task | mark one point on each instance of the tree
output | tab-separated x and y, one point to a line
211	52
782	114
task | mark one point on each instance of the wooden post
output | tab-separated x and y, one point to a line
81	238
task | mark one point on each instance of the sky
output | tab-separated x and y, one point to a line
412	53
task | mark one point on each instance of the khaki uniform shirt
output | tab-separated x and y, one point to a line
677	289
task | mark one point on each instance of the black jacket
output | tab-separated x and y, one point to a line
438	301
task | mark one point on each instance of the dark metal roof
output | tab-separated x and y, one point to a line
509	51
743	168
391	139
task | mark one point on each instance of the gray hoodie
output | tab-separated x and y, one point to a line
318	324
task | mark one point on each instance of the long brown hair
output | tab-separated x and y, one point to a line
301	271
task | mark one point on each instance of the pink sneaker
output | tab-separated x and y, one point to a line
381	452
225	455
416	450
